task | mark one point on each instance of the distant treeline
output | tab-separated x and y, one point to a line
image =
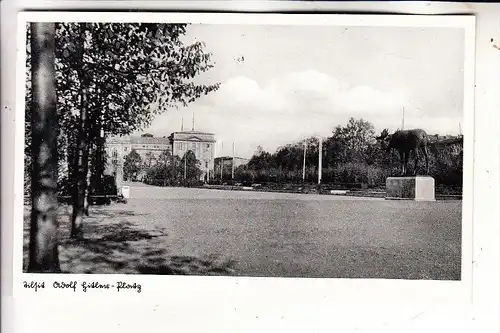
350	155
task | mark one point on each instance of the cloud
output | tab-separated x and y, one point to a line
304	93
364	99
310	81
288	108
242	92
291	107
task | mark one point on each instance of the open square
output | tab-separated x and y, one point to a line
214	232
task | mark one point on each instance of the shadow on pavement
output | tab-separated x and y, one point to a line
113	245
186	265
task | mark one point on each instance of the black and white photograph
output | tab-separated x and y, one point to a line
271	147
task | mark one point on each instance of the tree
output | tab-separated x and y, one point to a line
244	174
113	79
263	160
290	157
166	171
132	165
148	159
82	139
191	168
43	253
350	143
136	71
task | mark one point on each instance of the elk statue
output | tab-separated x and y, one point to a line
404	142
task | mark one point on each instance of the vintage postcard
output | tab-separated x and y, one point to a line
327	152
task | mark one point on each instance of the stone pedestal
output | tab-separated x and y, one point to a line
419	188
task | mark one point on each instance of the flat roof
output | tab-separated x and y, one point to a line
193	132
231	157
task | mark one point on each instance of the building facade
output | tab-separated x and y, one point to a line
149	148
202	144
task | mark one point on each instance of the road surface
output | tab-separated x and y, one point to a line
281	234
200	231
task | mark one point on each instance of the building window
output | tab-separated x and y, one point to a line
193	146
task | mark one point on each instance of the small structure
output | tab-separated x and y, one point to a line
224	165
419	188
125	192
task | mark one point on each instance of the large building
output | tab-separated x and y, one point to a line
202	144
145	146
148	147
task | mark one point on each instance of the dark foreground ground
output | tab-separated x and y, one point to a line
214	232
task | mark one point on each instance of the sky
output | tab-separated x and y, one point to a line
280	84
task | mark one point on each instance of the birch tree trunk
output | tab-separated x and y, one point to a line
82	160
43	248
82	144
86	203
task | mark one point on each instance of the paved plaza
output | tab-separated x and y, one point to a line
214	232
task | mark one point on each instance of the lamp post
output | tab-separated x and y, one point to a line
232	166
304	163
320	159
185	166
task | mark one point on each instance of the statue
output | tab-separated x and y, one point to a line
405	142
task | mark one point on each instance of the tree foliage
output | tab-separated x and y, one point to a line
350	143
171	170
132	165
192	171
350	155
133	71
113	79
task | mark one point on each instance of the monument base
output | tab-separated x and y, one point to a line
419	188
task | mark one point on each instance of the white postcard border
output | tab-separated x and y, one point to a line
280	290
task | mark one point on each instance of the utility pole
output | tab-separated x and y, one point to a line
304	164
208	172
221	160
232	165
221	165
403	121
320	160
185	165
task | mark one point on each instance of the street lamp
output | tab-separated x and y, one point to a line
185	167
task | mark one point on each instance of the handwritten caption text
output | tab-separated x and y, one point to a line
82	286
